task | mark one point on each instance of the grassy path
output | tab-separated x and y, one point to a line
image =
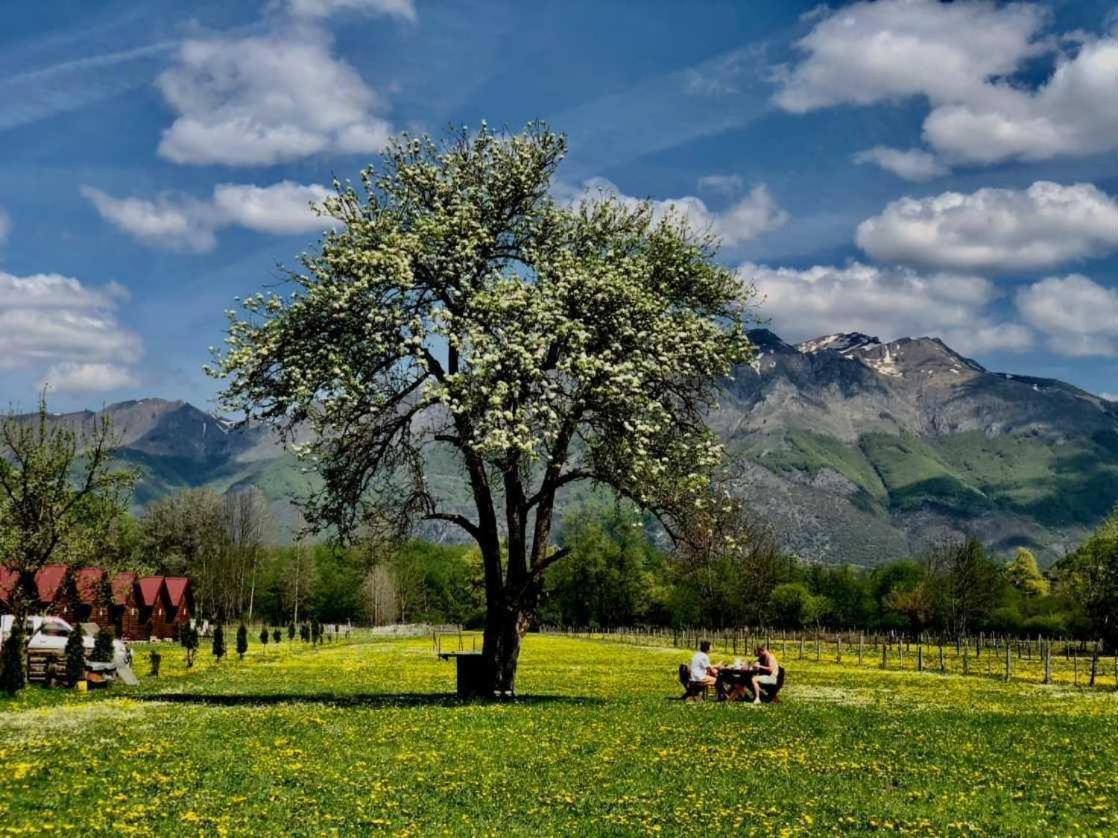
361	737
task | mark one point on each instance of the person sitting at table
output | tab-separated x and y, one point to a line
701	670
764	672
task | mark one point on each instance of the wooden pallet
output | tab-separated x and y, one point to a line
44	667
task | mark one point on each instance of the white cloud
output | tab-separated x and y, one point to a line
316	9
896	49
888	302
1078	316
961	57
178	222
282	208
52	319
1074	113
266	99
1110	397
75	377
912	164
995	230
754	214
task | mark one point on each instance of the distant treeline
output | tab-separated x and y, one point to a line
617	575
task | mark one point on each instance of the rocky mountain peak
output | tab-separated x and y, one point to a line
843	343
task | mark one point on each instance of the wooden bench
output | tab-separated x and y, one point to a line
692	689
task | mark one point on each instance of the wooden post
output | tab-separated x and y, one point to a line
862	644
1008	661
919	655
884	656
1075	666
1094	663
966	658
942	660
838	648
1047	652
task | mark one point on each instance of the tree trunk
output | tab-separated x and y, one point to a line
504	623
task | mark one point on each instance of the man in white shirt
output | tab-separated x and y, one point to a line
701	670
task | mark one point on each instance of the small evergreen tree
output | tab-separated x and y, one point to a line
304	632
290	631
219	642
277	635
190	641
105	593
12	673
75	657
155	659
68	600
264	636
103	645
242	641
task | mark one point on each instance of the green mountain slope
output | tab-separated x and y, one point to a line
855	450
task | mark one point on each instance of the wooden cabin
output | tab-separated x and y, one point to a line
180	597
50	583
9	579
130	624
93	606
156	606
140	608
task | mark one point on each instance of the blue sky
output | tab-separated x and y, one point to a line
902	167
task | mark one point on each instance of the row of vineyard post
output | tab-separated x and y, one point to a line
990	654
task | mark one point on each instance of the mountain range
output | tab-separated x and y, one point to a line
855	450
862	451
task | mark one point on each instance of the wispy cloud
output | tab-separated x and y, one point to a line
726	91
39	94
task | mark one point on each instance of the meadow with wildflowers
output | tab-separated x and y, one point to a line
365	736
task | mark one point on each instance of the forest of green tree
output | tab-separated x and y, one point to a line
617	573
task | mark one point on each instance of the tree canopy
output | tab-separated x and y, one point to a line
458	304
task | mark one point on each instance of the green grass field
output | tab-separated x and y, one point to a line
363	737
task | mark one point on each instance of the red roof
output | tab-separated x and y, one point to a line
122	587
176	589
8	581
89	584
149	589
49	580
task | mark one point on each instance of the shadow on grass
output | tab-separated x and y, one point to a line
386	700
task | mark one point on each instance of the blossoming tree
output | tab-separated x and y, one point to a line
457	304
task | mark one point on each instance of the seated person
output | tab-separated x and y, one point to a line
764	672
701	671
